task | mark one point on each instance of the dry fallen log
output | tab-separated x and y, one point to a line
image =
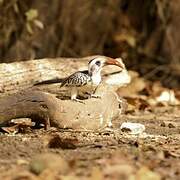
43	107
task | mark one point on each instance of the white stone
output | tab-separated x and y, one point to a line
132	128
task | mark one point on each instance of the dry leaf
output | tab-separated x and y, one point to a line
130	39
31	14
39	24
16	8
11	130
168	96
29	28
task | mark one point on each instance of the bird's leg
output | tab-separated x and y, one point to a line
74	93
93	95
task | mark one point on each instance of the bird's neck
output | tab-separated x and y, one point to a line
96	78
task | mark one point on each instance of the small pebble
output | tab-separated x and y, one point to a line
49	161
132	128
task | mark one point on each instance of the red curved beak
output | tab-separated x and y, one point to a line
116	62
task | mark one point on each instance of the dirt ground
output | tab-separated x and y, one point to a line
98	155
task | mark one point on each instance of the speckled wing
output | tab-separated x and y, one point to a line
78	79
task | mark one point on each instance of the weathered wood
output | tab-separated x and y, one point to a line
93	114
42	106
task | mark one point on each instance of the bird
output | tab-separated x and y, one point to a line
88	80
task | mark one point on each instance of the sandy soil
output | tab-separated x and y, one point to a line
100	155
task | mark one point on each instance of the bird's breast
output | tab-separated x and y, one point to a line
95	80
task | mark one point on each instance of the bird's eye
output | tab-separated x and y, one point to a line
98	63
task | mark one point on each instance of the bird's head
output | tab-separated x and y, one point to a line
95	65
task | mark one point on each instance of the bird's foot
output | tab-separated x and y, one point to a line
78	100
95	96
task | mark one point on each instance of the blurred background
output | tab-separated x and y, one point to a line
145	33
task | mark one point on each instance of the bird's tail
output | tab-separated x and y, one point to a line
51	81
